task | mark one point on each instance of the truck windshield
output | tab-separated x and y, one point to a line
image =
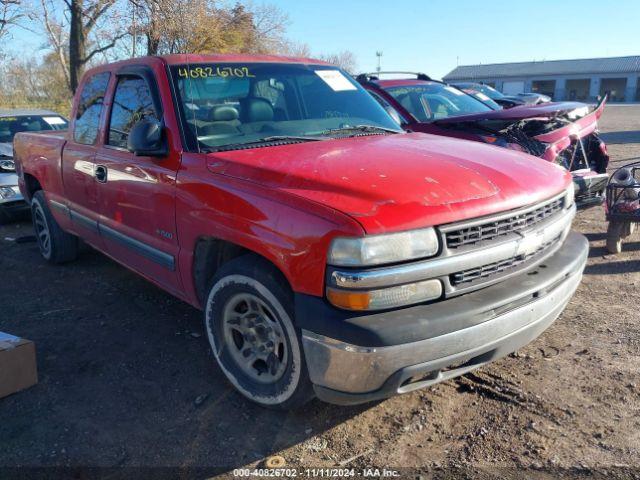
434	101
11	125
246	104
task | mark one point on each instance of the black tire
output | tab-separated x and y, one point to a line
286	384
56	246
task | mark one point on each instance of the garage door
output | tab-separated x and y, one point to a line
512	88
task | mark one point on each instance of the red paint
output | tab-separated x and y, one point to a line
285	203
557	140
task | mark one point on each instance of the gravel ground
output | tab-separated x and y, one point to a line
127	380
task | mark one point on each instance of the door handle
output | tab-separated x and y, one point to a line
100	173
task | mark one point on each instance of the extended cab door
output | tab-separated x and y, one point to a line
78	158
137	193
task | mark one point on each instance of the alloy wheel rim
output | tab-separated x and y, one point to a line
254	338
42	231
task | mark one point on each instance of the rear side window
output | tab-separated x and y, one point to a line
90	109
132	102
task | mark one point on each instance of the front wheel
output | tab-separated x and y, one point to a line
249	322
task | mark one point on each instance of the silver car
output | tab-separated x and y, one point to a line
12	204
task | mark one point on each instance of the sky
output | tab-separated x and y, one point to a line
433	36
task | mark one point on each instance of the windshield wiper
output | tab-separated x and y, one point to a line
273	140
361	129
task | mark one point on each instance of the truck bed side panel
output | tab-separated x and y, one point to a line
40	155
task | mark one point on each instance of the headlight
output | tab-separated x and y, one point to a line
570	195
9	192
381	249
400	295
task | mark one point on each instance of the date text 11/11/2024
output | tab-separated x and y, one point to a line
368	472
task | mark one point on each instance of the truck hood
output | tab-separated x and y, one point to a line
398	182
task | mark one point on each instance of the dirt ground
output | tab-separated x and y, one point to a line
127	380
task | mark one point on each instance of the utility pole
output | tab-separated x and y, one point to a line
379	55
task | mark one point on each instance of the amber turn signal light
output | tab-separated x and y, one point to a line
349	300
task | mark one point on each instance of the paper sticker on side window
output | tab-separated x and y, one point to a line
54	120
336	80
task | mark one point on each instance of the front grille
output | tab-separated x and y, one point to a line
493	229
491	269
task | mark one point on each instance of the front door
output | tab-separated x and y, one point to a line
137	193
78	160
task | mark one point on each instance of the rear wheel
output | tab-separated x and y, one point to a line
248	317
56	245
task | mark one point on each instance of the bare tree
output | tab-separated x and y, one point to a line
205	26
56	33
345	60
269	27
84	17
34	83
10	14
78	33
296	49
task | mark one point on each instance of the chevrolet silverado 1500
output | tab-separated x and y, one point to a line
332	253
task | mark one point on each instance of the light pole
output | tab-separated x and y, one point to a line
379	55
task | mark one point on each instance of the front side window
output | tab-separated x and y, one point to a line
90	105
132	102
9	126
225	105
435	101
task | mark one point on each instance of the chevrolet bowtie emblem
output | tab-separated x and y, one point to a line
529	243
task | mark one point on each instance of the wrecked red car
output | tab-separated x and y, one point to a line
565	133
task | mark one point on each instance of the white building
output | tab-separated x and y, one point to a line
582	79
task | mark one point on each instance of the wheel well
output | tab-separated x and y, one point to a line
210	254
32	185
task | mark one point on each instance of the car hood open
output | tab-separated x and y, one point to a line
398	182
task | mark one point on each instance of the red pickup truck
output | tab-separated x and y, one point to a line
332	254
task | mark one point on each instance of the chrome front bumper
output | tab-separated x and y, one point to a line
344	373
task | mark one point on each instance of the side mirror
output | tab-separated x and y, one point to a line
394	114
146	139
